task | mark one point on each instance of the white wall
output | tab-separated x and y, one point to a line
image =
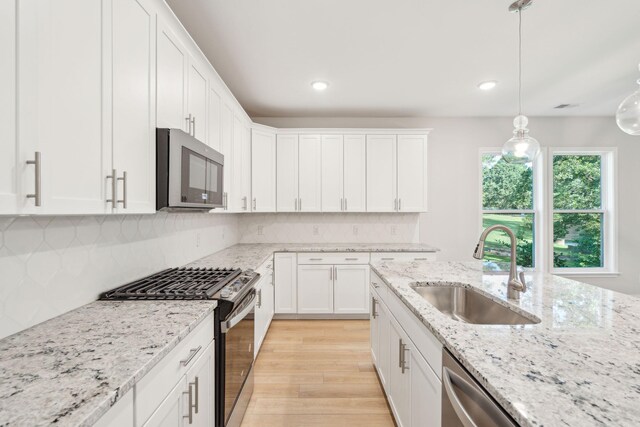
454	201
51	265
329	228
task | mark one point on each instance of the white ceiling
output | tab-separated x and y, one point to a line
390	58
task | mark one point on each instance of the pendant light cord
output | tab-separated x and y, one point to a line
520	62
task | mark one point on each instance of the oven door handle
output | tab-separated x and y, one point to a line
228	324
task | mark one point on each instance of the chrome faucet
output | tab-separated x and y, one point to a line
515	286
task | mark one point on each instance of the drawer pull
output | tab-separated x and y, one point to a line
375	285
387	259
420	259
351	259
315	259
192	354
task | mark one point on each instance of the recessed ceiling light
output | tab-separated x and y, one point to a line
319	85
488	85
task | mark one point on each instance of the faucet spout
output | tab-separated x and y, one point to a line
515	285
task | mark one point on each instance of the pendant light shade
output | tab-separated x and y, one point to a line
521	148
628	114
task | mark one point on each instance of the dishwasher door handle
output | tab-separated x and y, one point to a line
449	379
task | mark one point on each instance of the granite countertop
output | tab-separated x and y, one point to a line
580	366
251	255
71	369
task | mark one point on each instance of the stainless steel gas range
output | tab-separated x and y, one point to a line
234	325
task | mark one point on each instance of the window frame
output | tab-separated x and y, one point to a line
608	209
539	219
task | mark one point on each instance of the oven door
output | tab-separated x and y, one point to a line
238	333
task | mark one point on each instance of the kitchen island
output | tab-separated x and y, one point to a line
580	366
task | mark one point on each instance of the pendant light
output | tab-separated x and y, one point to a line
521	148
628	114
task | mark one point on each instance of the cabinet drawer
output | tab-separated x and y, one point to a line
403	256
152	389
321	258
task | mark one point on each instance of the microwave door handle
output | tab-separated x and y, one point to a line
241	315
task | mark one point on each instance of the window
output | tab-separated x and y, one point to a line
508	199
582	217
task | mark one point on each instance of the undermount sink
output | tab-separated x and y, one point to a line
469	306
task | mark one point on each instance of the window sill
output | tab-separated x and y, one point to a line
587	273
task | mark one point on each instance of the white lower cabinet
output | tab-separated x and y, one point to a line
409	379
351	289
285	276
169	413
315	289
264	304
120	414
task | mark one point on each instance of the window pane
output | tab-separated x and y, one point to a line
506	186
577	240
576	182
497	252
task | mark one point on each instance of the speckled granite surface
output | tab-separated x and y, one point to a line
580	366
252	255
70	370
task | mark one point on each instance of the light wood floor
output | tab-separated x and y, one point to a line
317	373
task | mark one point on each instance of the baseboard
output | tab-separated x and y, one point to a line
297	316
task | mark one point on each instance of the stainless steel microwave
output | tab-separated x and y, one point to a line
188	173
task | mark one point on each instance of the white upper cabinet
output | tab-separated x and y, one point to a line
310	173
263	171
355	173
214	126
134	136
197	101
171	79
9	167
412	173
287	173
226	148
332	173
240	199
381	173
60	60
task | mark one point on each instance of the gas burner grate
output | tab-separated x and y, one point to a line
175	283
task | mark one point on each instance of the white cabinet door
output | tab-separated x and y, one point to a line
261	315
61	105
263	171
381	173
286	282
172	408
10	169
226	148
412	173
171	75
241	196
287	173
355	173
200	378
310	173
351	289
198	100
426	393
315	289
399	380
332	175
133	78
246	165
384	350
374	327
215	119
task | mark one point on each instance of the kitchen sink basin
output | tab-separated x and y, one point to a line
469	306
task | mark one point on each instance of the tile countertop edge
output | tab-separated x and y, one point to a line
122	390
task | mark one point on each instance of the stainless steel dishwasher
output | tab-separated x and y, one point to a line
464	402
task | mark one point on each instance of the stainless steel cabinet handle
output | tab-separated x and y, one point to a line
335	274
300	204
224	200
37	194
196	383
387	259
420	259
255	204
188	119
351	259
192	354
400	353
395	204
375	285
244	203
190	393
331	273
295	204
124	189
374	313
193	123
341	204
403	363
345	205
114	188
259	303
315	259
399	204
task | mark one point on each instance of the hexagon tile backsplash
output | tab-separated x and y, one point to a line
330	228
50	265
